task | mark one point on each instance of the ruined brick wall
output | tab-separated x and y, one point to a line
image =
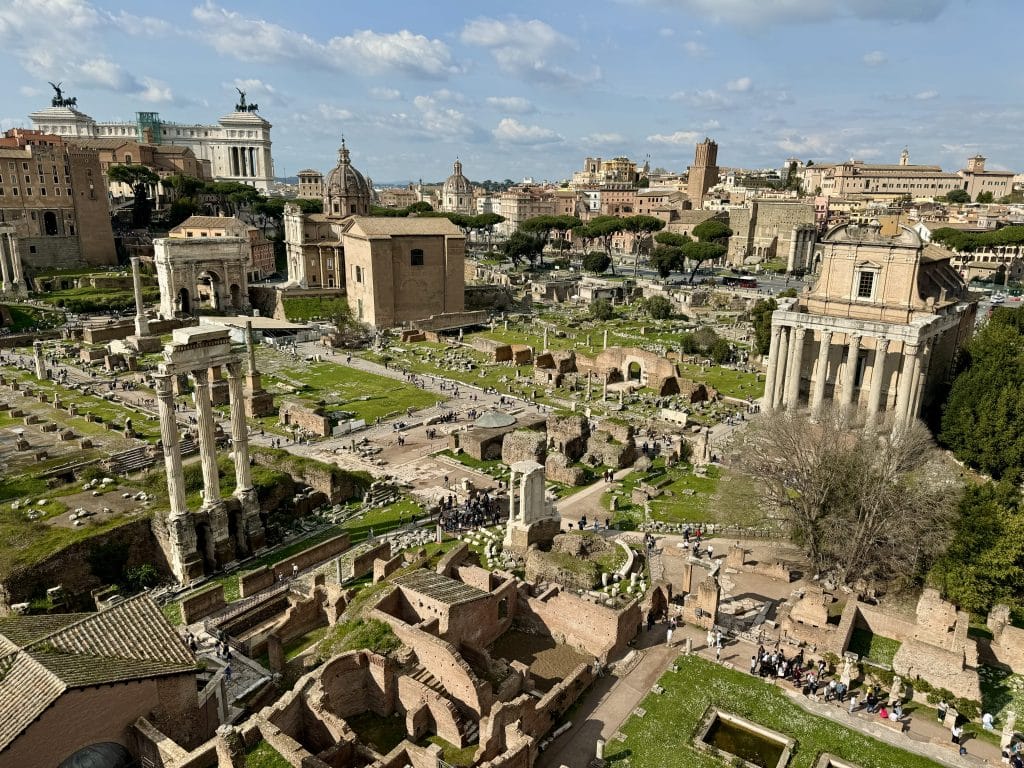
558	468
883	623
311	419
256	580
1007	644
362	562
492	298
589	627
358	681
412	695
524	445
568	435
482	444
202	603
604	449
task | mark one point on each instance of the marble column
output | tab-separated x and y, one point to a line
780	368
239	430
821	374
877	380
37	356
6	283
17	274
606	339
207	437
905	388
793	389
920	373
850	377
141	322
773	362
169	437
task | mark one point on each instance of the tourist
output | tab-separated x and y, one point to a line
853	703
987	722
753	664
711	552
883	712
718	653
941	710
956	733
668	636
710	638
295	570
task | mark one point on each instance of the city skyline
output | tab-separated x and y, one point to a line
531	94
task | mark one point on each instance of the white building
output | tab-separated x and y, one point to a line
237	147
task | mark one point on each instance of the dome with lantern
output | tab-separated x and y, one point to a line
346	192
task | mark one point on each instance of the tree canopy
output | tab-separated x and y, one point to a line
983	419
522	245
667	259
139	178
602	229
958	196
701	251
596	261
967	242
761	319
860	505
602	309
659	307
712	230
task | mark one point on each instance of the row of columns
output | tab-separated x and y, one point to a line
178	519
12	278
785	363
244	161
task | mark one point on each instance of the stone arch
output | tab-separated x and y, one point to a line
184	301
214	284
236	296
634	371
205	546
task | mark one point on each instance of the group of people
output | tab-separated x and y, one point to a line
472	513
595	524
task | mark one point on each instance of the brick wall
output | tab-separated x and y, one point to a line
362	562
254	581
589	627
200	604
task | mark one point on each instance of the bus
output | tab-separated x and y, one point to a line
740	281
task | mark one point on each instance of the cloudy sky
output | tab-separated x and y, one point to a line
412	85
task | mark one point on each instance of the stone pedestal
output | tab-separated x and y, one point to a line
143	344
259	403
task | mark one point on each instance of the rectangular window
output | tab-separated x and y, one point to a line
865	285
416	257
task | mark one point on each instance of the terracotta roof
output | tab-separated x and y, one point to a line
228	223
43	656
386	226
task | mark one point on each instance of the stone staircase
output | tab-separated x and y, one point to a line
132	460
468	727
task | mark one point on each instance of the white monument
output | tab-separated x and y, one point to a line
532	518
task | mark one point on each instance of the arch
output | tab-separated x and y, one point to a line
205	548
236	296
184	301
50	223
634	371
236	530
215	286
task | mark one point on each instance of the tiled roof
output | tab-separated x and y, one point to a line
227	223
385	226
43	656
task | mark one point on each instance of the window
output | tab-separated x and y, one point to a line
865	284
358	273
416	257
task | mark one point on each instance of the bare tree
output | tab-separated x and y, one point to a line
862	505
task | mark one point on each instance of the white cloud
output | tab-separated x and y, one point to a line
814	144
524	49
603	138
666	32
926	95
385	94
516	104
257	91
28	90
875	58
142	25
511	131
739	85
711	125
332	113
755	13
705	99
104	73
677	138
155	91
250	39
695	49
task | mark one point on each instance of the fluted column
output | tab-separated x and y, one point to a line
773	362
920	371
207	437
877	379
850	379
821	374
793	390
141	322
239	429
780	369
5	273
905	389
169	437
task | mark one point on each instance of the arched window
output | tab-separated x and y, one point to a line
416	257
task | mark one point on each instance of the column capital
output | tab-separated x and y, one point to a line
201	375
234	369
163	384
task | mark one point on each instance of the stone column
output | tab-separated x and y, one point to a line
850	377
773	362
821	374
37	355
793	390
545	340
207	437
922	377
239	429
169	437
877	380
904	390
606	339
141	323
5	274
913	402
780	368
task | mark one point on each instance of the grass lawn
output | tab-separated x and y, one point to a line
312	307
300	644
876	648
23	317
382	520
262	755
381	733
416	358
452	754
1001	691
727	381
664	736
366	395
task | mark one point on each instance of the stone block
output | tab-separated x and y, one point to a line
524	445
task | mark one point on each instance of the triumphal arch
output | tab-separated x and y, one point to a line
202	272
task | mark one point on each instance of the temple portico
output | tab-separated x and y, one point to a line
12	278
222	529
877	332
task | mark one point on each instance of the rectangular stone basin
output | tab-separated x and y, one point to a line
731	736
829	761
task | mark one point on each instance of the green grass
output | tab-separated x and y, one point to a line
365	395
314	307
1001	691
664	736
382	733
91	299
382	520
300	644
357	634
452	754
262	755
24	317
729	382
872	647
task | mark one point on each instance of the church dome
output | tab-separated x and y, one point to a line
346	189
457	184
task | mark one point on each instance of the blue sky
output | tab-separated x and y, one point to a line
533	90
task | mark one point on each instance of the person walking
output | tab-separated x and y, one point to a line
853	703
668	636
940	711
